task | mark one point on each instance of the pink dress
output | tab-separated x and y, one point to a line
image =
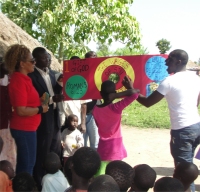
108	120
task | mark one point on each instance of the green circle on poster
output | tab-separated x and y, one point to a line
76	87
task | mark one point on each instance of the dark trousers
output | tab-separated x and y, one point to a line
183	144
47	142
26	142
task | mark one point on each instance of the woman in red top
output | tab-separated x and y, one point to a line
27	108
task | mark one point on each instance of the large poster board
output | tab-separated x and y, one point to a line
83	77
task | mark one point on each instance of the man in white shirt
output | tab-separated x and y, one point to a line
182	92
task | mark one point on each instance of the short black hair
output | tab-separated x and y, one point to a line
86	162
122	173
70	117
67	170
7	167
187	171
103	183
23	182
89	54
1	144
52	163
108	86
145	177
180	55
74	57
37	51
168	184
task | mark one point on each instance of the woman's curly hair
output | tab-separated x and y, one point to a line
14	55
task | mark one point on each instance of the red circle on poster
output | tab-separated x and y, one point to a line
109	67
114	69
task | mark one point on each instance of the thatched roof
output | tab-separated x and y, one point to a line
11	34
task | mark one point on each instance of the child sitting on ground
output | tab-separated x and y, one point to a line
85	163
103	183
168	184
186	173
71	137
24	182
144	179
108	119
122	173
54	180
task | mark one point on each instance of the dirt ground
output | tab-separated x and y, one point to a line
151	146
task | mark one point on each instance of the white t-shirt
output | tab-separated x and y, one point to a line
56	182
71	140
181	91
67	108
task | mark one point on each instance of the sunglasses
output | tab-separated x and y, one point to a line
32	61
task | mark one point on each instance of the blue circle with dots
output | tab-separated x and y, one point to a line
155	68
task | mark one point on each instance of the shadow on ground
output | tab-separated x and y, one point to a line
164	171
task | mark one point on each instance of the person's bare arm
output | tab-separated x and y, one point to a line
83	117
154	98
128	84
128	92
29	111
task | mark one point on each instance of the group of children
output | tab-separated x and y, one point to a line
78	174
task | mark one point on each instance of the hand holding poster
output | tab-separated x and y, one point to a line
83	77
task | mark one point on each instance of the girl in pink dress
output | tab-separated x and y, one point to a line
108	119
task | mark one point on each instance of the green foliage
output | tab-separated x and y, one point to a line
128	51
104	50
156	116
63	25
114	77
163	46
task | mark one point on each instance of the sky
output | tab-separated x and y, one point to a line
178	21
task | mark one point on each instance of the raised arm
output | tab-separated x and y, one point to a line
128	84
83	117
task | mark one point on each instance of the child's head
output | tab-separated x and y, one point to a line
1	144
7	168
107	87
122	173
104	183
168	184
86	162
72	122
90	54
52	163
144	178
23	182
67	170
186	172
74	57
